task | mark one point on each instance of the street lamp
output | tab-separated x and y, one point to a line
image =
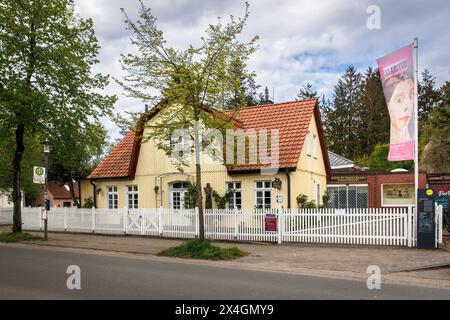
47	202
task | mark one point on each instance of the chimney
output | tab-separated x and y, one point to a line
266	96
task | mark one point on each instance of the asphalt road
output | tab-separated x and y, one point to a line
35	273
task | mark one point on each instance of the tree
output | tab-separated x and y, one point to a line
436	137
374	127
378	160
429	97
46	84
307	92
246	89
78	156
190	81
344	120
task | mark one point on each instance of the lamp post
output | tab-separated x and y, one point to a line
46	201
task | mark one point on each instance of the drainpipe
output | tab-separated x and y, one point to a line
94	188
288	177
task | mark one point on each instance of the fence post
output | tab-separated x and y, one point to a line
410	226
235	224
160	221
125	220
280	225
197	223
93	218
65	218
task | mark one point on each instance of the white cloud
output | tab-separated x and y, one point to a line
300	40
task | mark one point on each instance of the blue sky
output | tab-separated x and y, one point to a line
300	40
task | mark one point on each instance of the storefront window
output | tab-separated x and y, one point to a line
400	194
348	196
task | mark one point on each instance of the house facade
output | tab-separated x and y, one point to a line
137	174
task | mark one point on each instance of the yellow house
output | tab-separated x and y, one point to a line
137	174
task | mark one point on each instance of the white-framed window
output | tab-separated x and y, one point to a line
235	200
112	197
263	194
397	194
177	193
315	146
132	197
308	143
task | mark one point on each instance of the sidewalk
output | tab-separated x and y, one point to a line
398	265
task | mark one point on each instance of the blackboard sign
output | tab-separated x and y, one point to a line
426	229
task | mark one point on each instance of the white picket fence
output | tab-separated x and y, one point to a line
373	226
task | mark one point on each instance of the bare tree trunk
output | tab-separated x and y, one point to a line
198	175
17	195
72	193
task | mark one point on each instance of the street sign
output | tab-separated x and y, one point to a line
39	175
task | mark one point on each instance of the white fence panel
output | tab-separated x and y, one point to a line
380	226
6	216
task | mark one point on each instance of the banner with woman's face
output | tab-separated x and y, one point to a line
396	72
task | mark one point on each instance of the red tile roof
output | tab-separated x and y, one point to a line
290	118
119	162
59	191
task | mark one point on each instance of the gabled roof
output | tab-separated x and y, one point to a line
61	191
290	118
339	162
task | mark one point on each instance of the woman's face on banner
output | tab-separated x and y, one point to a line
401	103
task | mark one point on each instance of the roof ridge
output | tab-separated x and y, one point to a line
269	105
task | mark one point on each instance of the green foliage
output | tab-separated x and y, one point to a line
47	85
429	98
436	136
88	203
221	201
325	200
303	203
191	196
378	160
345	118
17	237
202	249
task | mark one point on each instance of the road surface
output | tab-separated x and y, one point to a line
38	273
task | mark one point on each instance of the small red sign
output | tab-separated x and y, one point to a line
270	223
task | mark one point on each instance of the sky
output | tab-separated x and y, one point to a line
300	40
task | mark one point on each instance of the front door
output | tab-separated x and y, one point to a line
176	199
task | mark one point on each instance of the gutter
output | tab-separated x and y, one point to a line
288	177
94	188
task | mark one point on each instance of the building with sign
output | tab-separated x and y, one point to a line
352	187
139	175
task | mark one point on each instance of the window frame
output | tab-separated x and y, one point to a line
264	189
115	197
134	195
235	205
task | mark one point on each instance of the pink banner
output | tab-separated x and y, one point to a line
396	72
